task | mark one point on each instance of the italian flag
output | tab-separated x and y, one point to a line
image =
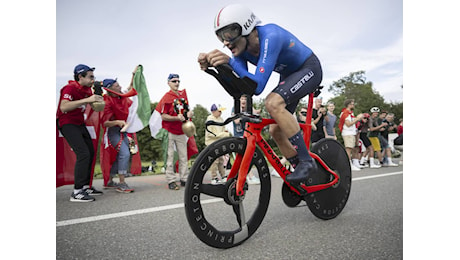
139	111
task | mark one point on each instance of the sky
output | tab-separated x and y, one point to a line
167	36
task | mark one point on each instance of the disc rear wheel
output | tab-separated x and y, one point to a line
328	203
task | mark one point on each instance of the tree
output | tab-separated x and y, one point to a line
356	87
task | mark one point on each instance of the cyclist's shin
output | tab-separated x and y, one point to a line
299	144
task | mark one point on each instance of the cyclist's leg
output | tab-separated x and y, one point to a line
281	104
282	142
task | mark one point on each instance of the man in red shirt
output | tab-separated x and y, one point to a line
71	123
173	108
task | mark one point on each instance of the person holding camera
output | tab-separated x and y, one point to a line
388	120
319	113
71	122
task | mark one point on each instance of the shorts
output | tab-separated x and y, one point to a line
300	83
349	141
383	142
365	139
375	143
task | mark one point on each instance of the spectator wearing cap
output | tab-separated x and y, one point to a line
217	132
173	108
374	132
363	129
114	118
70	120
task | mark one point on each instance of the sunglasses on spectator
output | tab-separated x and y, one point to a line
303	113
175	81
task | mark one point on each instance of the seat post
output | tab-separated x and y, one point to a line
307	127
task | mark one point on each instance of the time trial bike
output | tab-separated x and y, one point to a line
325	193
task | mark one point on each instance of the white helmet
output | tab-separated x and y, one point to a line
236	20
375	110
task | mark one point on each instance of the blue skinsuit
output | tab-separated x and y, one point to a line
280	51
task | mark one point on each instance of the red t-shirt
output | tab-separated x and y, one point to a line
116	108
166	106
400	129
73	91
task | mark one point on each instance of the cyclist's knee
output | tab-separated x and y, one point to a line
275	132
274	103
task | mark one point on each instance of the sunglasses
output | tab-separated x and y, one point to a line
175	81
229	33
303	113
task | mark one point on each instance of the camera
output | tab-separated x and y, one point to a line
98	87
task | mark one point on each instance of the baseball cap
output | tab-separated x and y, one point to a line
80	68
214	107
173	75
107	83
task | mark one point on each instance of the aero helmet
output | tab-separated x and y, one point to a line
375	110
234	21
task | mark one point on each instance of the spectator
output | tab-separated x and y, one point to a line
72	103
374	132
116	112
302	117
319	112
238	127
398	142
383	137
174	110
347	126
400	127
238	130
363	129
218	132
329	122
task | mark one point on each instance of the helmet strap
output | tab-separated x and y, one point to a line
247	42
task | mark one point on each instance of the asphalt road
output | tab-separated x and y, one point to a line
151	224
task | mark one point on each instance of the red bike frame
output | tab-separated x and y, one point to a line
254	137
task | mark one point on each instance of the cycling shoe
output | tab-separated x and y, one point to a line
302	171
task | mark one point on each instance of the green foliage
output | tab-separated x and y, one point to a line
354	86
199	119
149	148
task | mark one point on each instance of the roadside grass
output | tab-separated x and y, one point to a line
156	170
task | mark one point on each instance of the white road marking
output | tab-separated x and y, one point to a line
172	206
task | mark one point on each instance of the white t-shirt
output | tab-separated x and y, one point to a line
349	130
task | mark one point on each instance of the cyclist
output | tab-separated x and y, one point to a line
270	48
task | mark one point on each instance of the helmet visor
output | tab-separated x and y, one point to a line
229	33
